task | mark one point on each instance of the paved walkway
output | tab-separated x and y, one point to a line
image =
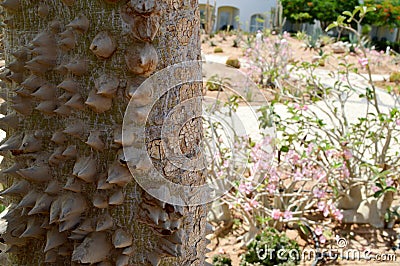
354	108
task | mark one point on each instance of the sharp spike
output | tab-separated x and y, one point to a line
85	169
122	260
76	102
87	226
30	144
72	204
68	41
55	210
142	97
12	170
80	24
29	200
95	248
39	173
54	239
33	82
107	85
13	143
78	67
102	183
103	45
104	223
69	223
117	198
100	201
128	250
73	184
121	239
47	107
10	120
45	92
76	129
119	175
33	229
63	110
44	38
98	103
21	54
69	84
58	138
70	152
53	188
95	141
42	205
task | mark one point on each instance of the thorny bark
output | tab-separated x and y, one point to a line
51	136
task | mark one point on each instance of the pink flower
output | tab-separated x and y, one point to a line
254	203
273	175
345	171
322	239
318	231
321	206
363	61
271	187
320	175
389	181
318	193
375	189
247	207
300	107
338	215
276	214
325	212
266	140
397	122
292	155
245	188
298	176
310	148
331	153
288	215
347	154
226	164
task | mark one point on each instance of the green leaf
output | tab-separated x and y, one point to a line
332	25
347	13
304	229
391	189
284	149
378	194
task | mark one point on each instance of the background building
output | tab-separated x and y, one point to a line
248	15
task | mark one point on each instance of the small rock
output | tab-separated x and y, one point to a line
339	47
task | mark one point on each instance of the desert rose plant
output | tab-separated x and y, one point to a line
331	163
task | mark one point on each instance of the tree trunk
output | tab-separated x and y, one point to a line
72	67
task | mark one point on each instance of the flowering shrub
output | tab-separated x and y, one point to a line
268	58
331	163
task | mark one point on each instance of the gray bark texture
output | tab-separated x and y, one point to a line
71	69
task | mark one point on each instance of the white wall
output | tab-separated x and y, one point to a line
247	8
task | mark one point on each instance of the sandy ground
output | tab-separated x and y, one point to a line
380	62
